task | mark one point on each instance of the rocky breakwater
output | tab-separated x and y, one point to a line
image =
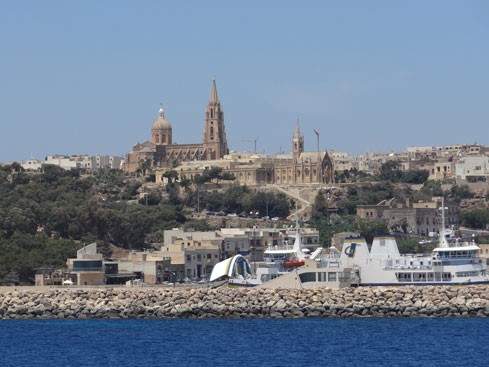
470	301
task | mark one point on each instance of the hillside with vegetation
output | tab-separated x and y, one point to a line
45	217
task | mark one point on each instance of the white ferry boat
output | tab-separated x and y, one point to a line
383	265
456	263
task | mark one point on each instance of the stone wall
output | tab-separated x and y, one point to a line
469	301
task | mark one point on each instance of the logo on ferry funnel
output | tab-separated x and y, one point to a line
350	250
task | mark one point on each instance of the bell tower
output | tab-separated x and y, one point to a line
297	143
215	142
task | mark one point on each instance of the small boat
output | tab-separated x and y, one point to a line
294	263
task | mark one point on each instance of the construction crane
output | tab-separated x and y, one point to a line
252	141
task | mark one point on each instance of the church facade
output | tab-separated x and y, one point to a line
160	155
296	168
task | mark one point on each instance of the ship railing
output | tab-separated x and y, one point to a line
457	261
279	247
407	267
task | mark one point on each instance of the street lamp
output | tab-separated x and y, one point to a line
253	249
319	163
198	200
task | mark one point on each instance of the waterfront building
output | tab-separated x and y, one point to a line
148	266
48	277
88	267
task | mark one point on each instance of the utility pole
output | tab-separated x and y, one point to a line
198	200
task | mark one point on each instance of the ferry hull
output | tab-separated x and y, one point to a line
424	284
241	285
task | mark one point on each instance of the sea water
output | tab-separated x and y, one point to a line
246	342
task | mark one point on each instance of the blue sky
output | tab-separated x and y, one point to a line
87	77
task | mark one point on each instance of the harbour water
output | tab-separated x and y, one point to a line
246	342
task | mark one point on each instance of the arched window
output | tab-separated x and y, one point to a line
212	133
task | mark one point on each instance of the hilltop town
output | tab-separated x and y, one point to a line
168	212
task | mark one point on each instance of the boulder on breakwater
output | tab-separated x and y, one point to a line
154	302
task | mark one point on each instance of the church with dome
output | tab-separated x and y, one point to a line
160	155
161	152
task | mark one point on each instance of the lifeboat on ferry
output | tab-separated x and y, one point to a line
293	263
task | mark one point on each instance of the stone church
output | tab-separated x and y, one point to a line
161	152
161	155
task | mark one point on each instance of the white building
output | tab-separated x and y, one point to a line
472	167
75	161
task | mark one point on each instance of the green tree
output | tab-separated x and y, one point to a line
415	176
389	171
476	218
320	208
185	183
232	200
458	193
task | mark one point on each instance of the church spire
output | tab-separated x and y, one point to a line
297	129
214	98
297	142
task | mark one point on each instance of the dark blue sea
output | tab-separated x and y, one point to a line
237	342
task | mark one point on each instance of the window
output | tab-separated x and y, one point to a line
331	277
91	265
307	277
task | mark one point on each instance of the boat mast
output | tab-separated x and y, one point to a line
443	239
299	254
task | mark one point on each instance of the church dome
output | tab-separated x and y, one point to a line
161	123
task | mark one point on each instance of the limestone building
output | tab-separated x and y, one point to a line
423	218
295	168
160	155
161	152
